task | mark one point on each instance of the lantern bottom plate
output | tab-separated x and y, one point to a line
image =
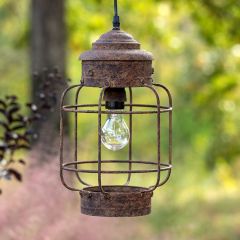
120	201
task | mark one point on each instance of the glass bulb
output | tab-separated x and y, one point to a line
115	133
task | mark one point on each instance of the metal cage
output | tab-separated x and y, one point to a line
117	62
125	200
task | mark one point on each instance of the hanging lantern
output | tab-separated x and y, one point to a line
117	65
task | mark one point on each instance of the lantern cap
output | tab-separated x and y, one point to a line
116	61
116	45
116	39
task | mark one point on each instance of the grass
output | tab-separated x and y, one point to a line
201	209
199	219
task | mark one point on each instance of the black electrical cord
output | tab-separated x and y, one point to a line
116	18
115	7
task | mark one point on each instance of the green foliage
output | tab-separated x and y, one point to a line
197	55
197	38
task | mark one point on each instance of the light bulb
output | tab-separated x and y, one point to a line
115	132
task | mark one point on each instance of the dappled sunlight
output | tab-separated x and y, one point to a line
197	55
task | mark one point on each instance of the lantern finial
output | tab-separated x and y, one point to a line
116	18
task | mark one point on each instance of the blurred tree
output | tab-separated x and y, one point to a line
48	51
48	34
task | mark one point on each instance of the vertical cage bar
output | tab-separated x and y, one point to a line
62	140
130	137
169	132
100	142
152	188
76	137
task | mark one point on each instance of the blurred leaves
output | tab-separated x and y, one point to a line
196	51
195	46
16	132
13	22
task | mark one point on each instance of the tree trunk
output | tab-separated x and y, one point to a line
48	51
48	34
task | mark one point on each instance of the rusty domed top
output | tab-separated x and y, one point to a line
116	45
116	61
116	39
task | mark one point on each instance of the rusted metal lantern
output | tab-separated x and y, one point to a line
116	64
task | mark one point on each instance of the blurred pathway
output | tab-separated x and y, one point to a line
42	209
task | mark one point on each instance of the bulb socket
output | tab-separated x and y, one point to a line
114	105
115	98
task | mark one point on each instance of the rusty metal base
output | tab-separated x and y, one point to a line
121	201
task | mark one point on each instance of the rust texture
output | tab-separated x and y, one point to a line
116	61
122	201
116	64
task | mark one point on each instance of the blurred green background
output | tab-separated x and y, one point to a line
196	46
